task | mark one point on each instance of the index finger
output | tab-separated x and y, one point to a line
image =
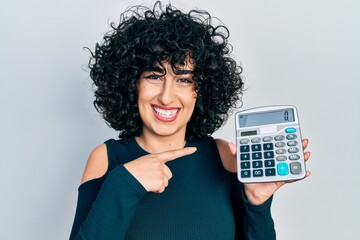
177	153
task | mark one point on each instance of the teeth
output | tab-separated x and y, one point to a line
166	113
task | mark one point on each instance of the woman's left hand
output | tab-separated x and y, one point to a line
258	193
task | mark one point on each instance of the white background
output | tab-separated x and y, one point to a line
304	53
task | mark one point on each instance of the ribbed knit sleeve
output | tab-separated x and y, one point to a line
254	222
112	209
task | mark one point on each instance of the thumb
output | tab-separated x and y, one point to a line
232	148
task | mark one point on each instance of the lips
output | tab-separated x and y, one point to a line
165	114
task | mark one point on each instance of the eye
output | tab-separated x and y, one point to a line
153	77
185	81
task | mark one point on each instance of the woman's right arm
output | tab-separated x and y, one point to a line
104	211
105	204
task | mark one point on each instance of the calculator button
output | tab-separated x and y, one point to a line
269	163
269	154
256	155
270	172
245	148
294	157
295	168
279	138
293	150
281	158
256	140
256	147
245	156
258	173
268	146
280	151
257	164
292	143
283	169
267	139
245	165
245	173
291	136
280	144
290	130
244	141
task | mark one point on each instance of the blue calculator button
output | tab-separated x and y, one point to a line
283	169
290	130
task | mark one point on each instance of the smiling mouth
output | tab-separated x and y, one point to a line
165	115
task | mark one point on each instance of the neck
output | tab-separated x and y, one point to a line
156	144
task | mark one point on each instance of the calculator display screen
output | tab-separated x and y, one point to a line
264	118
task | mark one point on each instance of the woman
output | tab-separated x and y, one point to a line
164	79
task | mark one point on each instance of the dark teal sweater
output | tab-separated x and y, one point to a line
202	201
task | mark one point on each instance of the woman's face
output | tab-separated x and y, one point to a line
166	102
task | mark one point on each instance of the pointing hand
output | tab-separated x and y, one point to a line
151	171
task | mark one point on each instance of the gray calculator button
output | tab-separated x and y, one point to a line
257	164
267	139
279	138
245	165
270	172
294	157
257	155
245	156
269	163
280	151
245	173
279	144
256	140
269	154
256	147
268	146
244	141
292	143
295	168
291	136
293	150
281	158
244	148
258	173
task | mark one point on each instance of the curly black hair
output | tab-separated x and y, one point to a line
144	39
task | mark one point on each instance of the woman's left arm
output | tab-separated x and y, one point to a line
256	193
252	202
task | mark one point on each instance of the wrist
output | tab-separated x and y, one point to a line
255	198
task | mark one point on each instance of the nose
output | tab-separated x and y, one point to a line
167	93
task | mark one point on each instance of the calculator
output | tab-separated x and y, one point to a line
269	144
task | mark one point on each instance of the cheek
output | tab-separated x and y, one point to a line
143	94
191	100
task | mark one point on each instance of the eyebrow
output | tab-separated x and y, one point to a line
176	71
184	72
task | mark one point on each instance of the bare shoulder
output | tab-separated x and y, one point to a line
227	154
97	164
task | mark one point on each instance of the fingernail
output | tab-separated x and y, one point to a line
192	149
